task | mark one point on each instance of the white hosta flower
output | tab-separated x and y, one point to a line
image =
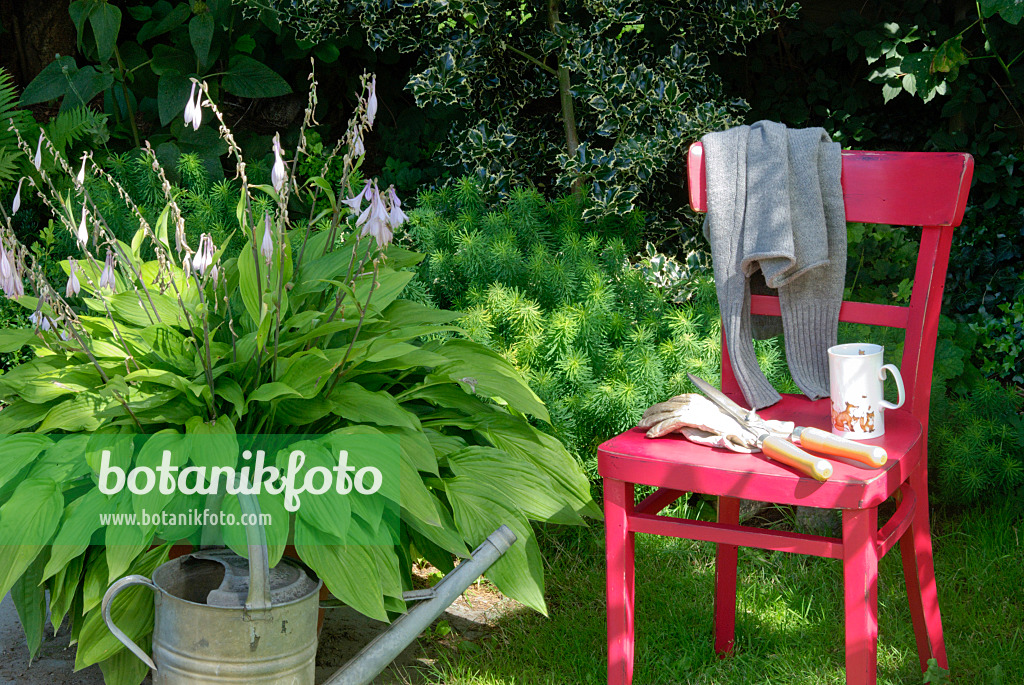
277	174
203	257
374	220
356	203
194	108
5	263
180	242
83	231
16	205
215	274
74	287
40	321
38	161
190	106
107	279
396	217
371	103
80	179
267	248
358	149
10	281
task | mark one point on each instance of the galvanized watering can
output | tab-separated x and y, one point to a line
221	619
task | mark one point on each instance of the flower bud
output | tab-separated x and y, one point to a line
277	174
74	287
16	205
267	248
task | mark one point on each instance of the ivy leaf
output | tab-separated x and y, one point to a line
51	82
105	20
172	20
949	56
200	33
1010	10
87	83
248	78
171	95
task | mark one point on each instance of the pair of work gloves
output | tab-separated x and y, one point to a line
701	421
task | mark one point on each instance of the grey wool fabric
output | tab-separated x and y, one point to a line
775	205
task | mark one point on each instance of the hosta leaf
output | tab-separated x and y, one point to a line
547	454
524	483
276	532
124	668
19	451
27	522
480	371
81	519
20	415
273	391
13	339
349	571
480	508
124	543
64	589
212	443
131	611
30	601
355	403
105	19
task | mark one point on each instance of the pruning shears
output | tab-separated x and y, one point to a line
784	448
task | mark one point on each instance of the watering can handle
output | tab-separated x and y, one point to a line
112	592
259	561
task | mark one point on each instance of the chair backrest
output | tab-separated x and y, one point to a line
927	189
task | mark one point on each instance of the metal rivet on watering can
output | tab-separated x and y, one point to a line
221	619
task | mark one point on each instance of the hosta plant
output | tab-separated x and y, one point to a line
304	333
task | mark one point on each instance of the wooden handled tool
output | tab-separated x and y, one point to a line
826	443
784	451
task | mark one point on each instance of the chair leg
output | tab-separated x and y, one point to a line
919	574
860	583
618	504
725	580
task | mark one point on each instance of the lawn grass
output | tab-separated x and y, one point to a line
789	617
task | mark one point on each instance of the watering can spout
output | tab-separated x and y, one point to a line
375	657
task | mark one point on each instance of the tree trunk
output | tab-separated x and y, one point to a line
36	31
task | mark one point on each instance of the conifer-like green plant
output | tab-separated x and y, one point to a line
599	337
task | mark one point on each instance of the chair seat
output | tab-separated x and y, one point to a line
675	462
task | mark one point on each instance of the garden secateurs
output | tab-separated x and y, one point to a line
785	449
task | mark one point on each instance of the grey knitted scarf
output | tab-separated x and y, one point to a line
775	205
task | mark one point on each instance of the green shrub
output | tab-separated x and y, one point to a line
599	339
604	95
976	443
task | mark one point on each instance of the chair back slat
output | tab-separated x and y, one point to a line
889	315
927	189
898	188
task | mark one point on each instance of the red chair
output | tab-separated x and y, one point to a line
926	189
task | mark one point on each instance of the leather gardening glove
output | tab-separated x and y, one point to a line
702	422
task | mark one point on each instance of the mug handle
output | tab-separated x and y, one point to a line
895	373
112	592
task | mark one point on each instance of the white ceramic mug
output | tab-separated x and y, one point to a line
856	373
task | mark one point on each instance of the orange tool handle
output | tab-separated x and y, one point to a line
826	443
786	452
